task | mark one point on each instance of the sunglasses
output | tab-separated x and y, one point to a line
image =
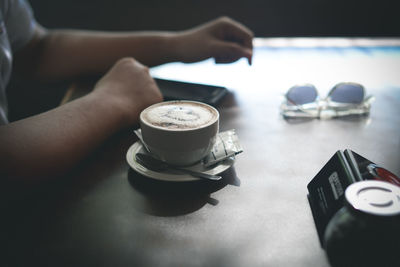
343	99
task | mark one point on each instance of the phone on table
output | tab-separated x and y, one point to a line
177	90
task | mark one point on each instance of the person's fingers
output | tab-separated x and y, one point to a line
231	30
237	41
239	33
227	52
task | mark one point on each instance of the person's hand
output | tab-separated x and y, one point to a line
223	39
129	84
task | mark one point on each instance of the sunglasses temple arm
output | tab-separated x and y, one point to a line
369	99
302	109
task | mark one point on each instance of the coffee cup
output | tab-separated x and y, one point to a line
179	132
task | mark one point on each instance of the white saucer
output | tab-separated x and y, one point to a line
172	176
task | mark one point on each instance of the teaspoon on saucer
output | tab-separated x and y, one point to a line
154	164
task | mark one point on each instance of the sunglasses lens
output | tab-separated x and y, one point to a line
347	93
302	94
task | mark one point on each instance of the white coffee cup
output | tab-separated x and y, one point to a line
179	132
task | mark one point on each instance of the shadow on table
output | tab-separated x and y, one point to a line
178	198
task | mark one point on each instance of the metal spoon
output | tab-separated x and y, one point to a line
138	133
154	164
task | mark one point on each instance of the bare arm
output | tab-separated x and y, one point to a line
52	142
66	53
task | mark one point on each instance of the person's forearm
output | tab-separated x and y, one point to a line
67	53
50	143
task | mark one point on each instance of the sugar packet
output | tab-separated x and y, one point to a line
227	145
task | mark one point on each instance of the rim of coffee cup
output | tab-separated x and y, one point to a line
180	101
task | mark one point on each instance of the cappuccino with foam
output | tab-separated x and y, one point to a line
180	115
179	132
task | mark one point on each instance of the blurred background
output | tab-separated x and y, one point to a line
266	18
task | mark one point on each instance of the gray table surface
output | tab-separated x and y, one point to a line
107	215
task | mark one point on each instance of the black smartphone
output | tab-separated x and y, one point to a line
177	90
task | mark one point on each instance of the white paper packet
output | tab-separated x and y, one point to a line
227	145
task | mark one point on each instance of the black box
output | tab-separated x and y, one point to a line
326	189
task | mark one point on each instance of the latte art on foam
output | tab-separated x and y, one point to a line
178	115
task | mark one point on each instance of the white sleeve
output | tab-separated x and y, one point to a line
20	23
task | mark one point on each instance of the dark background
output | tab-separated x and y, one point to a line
266	18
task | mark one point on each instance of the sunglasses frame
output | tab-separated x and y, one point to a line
325	107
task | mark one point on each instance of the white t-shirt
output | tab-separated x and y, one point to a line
17	26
